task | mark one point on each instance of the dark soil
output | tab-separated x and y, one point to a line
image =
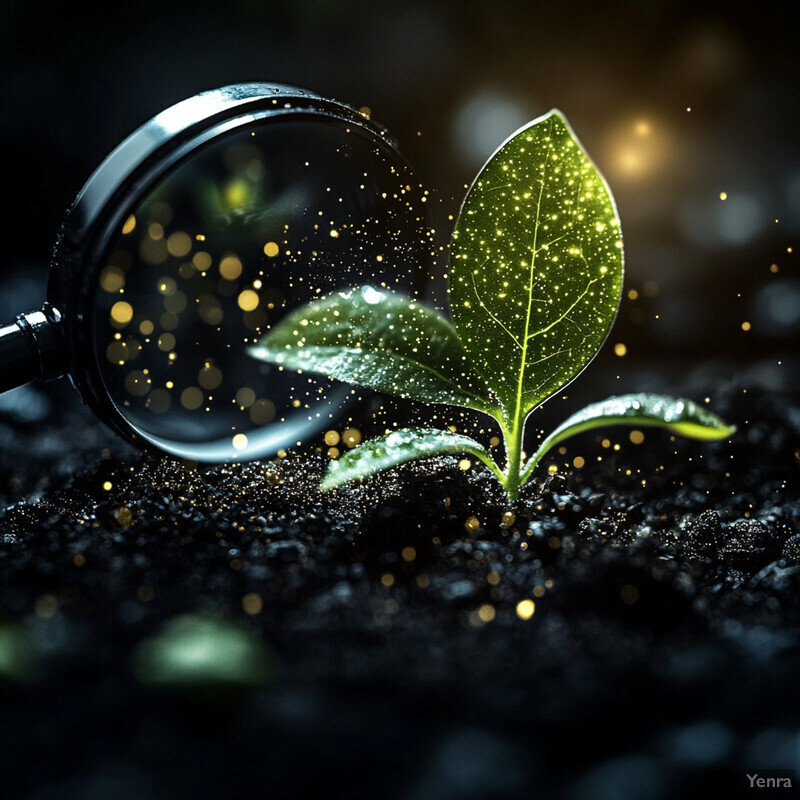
381	646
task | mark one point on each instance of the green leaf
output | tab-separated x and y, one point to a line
381	341
405	444
677	415
536	267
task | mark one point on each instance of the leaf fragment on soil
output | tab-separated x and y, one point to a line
397	447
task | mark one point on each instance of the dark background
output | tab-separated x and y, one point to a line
452	81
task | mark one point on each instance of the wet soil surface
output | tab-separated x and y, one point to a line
629	629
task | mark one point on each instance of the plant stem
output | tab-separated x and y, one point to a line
513	443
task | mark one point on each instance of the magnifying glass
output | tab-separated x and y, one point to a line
197	234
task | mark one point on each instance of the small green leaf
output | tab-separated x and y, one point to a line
381	341
536	266
406	444
680	416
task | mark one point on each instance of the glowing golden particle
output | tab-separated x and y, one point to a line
379	258
172	356
175	302
562	450
145	593
121	312
538	591
257	284
137	383
745	326
351	437
239	441
146	327
112	279
387	579
334	234
210	377
578	462
723	195
155	230
167	286
248	300
332	438
262	411
179	244
508	518
124	516
107	486
333	452
365	111
158	401
629	594
201	261
153	251
465	464
271	249
166	342
129	225
272	476
471	524
230	268
773	268
525	609
281	454
492	578
45	606
486	613
191	398
296	403
245	397
636	437
552	469
606	443
408	554
620	349
252	603
79	560
494	441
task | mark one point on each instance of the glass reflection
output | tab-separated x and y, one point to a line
255	223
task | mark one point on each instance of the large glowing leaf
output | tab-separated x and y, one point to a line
397	447
536	265
677	415
381	341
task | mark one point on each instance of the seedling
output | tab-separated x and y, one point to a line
535	280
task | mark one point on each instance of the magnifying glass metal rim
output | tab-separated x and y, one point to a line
61	334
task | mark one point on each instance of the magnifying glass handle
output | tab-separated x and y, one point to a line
32	348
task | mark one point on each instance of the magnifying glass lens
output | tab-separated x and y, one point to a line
240	231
